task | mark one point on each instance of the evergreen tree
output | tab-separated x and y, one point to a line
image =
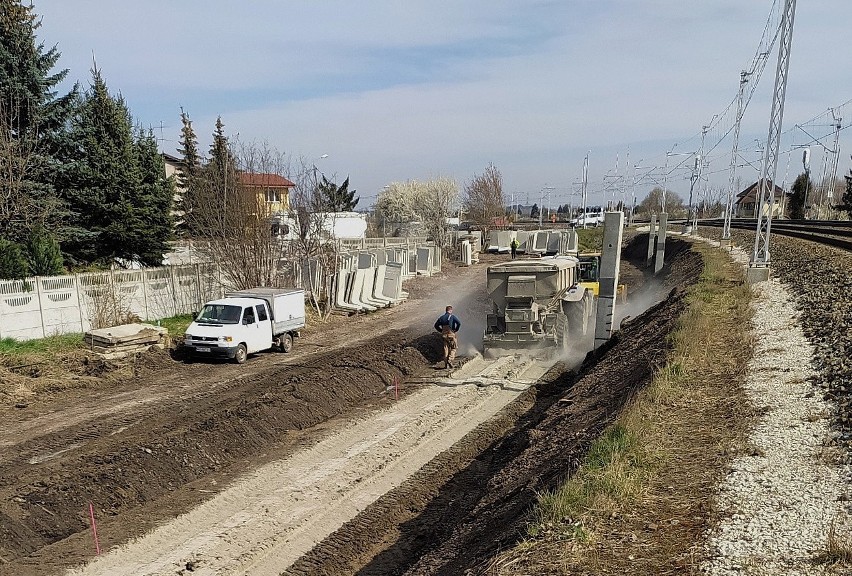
44	258
847	196
534	211
799	192
219	195
32	124
188	176
334	198
152	206
13	265
220	153
122	203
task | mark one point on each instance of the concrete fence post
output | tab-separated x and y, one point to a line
145	295
198	291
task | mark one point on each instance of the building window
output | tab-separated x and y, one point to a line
272	195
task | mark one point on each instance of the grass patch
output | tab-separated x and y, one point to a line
49	347
590	239
176	325
613	473
838	550
639	501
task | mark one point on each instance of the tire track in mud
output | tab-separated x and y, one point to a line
472	500
128	470
269	519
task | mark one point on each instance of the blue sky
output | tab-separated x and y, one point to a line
413	90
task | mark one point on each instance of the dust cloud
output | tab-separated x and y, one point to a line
650	295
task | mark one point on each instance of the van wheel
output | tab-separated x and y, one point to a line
241	355
286	343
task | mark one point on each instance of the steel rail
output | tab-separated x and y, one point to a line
836	233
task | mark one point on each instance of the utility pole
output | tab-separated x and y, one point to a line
806	164
729	205
760	259
585	186
691	216
696	174
838	126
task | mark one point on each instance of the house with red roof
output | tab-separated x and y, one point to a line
747	201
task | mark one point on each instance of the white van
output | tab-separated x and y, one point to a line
246	322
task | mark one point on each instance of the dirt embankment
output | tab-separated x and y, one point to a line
154	446
128	466
472	501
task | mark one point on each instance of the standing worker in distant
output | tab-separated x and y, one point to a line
514	245
448	324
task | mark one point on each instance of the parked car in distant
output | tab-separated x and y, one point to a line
589	219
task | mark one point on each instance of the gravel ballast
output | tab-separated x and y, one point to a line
783	499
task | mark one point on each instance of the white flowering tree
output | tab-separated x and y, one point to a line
431	203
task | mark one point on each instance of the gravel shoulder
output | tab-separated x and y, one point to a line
784	508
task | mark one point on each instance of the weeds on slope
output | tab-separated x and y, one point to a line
641	500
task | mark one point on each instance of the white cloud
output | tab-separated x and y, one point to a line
411	90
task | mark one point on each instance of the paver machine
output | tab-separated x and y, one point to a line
538	306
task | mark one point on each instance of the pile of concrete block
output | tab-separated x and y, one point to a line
533	242
126	339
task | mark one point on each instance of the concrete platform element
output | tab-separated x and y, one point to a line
125	339
726	243
652	240
661	243
423	265
573	243
608	279
757	274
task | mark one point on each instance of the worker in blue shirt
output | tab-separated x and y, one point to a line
448	324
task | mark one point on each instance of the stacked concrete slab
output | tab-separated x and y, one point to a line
493	243
523	238
372	278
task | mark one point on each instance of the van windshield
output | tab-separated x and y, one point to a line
220	314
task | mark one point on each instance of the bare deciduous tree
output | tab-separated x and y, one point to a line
232	218
431	203
483	199
712	202
653	201
310	243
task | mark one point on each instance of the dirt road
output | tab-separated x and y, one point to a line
148	448
319	432
271	517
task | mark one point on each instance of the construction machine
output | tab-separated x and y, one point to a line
589	273
538	306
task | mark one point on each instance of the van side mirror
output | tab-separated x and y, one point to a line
247	321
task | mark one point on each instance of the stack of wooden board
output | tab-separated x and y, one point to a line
126	339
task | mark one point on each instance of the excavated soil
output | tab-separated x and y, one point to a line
472	501
147	448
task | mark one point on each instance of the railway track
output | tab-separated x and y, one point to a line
836	233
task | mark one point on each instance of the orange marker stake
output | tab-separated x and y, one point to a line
94	529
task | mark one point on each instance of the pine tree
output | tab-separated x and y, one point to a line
847	196
334	198
13	264
152	206
32	124
118	186
220	197
798	195
188	176
44	258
